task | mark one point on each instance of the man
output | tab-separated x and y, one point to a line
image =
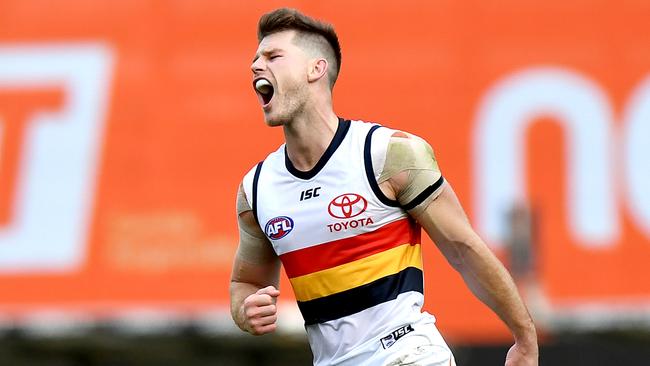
340	205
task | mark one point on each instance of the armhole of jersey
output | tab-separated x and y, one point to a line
256	179
370	173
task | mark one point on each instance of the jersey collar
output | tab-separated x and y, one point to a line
341	131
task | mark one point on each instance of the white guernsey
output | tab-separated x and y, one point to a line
352	255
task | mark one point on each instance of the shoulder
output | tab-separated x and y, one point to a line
247	182
383	137
250	176
374	138
398	148
409	147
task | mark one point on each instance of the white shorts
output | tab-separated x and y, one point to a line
423	349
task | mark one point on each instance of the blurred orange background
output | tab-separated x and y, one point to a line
181	126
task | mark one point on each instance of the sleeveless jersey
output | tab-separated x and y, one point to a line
352	255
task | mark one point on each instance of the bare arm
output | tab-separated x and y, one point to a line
447	225
255	277
444	220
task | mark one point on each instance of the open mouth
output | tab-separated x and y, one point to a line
264	90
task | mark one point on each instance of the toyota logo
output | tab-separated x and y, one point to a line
347	205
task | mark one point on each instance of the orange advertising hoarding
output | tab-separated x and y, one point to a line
126	128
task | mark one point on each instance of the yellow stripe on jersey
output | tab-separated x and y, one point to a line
357	273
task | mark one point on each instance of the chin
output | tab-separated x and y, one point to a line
274	120
274	123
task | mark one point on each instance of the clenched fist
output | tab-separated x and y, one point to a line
259	312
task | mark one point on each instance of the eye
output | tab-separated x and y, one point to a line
273	57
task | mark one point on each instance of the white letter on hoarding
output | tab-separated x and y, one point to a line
636	150
58	163
585	114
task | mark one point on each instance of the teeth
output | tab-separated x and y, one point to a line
263	86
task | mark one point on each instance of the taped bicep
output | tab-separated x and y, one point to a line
411	160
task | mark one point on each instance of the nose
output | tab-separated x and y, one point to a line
258	65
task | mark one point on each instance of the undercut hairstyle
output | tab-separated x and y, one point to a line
311	34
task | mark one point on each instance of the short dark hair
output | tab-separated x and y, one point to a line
308	29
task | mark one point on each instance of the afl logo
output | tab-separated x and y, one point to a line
347	205
278	227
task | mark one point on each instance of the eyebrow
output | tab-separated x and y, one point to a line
267	51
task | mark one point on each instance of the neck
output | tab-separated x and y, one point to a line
308	136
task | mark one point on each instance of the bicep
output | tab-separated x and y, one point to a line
255	261
447	225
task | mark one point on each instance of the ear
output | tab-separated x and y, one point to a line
317	69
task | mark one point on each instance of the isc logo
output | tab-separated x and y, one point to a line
394	336
278	227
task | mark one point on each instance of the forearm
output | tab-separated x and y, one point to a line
489	281
255	275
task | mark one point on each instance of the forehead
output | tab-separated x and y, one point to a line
280	40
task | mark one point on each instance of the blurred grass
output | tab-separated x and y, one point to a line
189	347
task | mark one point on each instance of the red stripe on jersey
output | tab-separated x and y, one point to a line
331	254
